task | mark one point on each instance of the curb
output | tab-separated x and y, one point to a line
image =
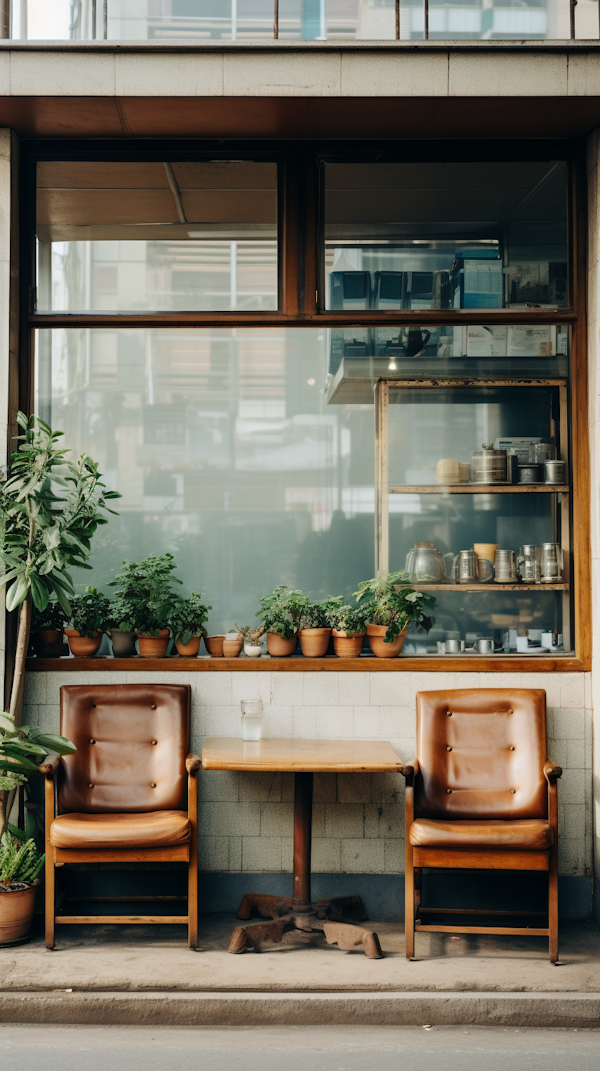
301	1009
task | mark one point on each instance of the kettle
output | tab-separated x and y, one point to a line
427	565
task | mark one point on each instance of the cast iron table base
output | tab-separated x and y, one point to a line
333	916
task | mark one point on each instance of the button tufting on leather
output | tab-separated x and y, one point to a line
512	791
511	748
153	706
449	791
154	741
92	741
510	712
90	785
93	704
448	749
448	713
153	784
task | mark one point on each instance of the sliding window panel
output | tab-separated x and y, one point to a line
226	453
445	236
157	236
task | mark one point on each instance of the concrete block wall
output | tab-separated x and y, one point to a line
245	821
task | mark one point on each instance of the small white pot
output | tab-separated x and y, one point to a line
251	651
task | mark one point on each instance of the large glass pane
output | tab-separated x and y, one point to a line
157	236
226	454
445	235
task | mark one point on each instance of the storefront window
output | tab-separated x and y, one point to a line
445	236
157	236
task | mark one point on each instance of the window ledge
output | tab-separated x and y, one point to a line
298	664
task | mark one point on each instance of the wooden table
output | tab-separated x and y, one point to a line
334	916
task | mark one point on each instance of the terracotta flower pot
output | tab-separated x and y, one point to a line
232	645
48	642
188	650
123	643
381	649
347	646
278	647
314	641
16	913
154	646
214	646
83	646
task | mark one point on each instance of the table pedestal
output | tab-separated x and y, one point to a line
334	916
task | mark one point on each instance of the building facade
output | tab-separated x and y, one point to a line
274	269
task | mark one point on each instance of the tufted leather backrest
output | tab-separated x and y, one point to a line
481	752
132	742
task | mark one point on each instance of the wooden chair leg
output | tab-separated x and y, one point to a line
409	903
50	899
553	905
192	903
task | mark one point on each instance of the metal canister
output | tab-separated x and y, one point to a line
555	472
529	473
488	465
540	452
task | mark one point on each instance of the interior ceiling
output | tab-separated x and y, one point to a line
110	200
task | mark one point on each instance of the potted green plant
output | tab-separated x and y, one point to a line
47	629
280	613
348	631
391	604
22	749
252	647
50	508
89	616
315	626
20	864
119	628
186	618
146	588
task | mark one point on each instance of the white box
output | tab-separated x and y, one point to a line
531	340
486	341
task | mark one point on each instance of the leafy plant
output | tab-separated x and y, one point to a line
119	614
351	620
187	618
22	749
251	635
90	612
144	590
281	610
320	614
391	601
20	861
53	617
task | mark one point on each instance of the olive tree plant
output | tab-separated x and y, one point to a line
50	508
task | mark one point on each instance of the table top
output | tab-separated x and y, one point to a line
301	756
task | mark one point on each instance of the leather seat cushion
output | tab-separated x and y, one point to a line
533	833
154	829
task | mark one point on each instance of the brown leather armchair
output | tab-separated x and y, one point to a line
128	794
481	795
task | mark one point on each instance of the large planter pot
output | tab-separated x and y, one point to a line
232	644
154	646
381	649
347	646
123	643
16	913
48	642
188	650
278	647
83	646
214	646
314	641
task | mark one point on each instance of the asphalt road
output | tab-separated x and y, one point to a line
355	1048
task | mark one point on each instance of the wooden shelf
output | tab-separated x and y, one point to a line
492	586
481	488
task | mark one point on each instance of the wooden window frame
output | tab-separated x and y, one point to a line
300	304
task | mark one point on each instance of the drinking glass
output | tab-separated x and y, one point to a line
252	714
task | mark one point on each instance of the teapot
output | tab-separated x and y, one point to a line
427	565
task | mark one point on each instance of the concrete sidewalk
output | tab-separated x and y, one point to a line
140	958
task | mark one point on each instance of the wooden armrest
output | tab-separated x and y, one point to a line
50	765
193	763
410	769
551	771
